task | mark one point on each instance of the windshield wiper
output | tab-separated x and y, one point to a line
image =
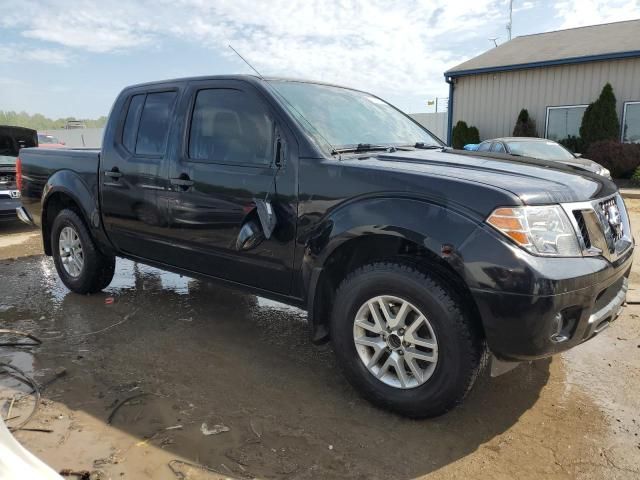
361	147
426	146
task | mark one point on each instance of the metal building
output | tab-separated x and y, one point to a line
553	75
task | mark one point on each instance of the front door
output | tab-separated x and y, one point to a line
134	175
234	195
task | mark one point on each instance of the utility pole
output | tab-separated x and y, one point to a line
510	24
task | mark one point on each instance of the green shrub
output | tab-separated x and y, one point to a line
635	178
473	135
575	144
600	120
622	159
525	125
463	134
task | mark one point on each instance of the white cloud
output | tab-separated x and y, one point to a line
579	13
373	44
15	52
401	48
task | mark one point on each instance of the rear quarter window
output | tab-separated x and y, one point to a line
154	123
130	130
147	123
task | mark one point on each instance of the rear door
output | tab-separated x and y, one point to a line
134	173
226	170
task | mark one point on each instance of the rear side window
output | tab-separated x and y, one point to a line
154	123
130	130
231	127
498	148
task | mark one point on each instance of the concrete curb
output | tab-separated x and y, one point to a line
630	193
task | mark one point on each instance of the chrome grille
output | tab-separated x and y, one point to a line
582	227
602	226
7	178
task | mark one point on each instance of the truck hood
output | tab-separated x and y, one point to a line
534	182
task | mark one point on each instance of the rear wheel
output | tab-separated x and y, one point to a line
404	339
80	265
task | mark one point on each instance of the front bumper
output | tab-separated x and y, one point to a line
530	326
9	201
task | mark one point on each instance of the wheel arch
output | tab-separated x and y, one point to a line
65	189
423	234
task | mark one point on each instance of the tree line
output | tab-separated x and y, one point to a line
37	121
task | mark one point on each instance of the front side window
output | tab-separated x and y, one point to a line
229	126
563	122
484	147
631	123
346	118
154	123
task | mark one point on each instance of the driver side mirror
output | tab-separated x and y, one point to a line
577	155
250	236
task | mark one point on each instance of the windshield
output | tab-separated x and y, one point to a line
7	160
542	150
47	139
344	117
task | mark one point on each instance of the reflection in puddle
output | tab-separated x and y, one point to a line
134	275
131	275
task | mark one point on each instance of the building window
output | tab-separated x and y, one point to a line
564	121
631	122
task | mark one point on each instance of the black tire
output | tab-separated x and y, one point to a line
460	346
98	268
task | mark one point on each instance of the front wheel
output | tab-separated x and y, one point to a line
404	340
80	265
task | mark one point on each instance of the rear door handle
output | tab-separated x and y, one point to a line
182	181
113	173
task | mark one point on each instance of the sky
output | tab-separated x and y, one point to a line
71	58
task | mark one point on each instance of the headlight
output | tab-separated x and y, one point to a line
542	230
605	172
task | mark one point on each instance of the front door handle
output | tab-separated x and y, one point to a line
183	181
113	173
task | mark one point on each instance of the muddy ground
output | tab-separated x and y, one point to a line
200	354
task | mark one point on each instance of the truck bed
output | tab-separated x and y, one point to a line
40	164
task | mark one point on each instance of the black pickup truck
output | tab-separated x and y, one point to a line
413	259
12	139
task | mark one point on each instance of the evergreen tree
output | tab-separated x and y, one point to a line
525	125
462	134
600	121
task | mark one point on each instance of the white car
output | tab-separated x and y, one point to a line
542	149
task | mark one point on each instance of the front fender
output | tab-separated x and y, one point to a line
441	229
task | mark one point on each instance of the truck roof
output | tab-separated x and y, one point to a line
247	77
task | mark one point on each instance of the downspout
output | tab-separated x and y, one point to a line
450	81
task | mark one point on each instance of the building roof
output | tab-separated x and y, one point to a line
576	45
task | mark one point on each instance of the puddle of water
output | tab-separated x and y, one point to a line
281	307
19	359
131	275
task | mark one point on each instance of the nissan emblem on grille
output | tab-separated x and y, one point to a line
612	214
